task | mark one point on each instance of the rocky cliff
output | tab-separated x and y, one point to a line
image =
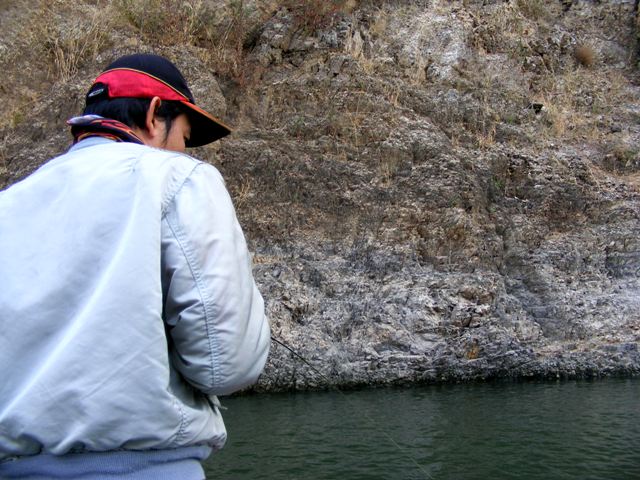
434	190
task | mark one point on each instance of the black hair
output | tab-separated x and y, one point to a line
132	111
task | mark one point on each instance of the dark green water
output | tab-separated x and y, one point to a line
564	430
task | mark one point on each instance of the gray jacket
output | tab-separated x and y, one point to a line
126	303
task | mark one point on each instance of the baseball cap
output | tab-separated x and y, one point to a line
146	76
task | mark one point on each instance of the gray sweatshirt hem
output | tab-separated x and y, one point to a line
180	463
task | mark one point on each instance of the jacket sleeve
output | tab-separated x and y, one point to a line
218	333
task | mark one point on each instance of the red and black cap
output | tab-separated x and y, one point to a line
148	76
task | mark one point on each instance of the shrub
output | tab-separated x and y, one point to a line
585	55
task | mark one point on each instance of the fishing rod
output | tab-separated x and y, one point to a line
407	455
304	360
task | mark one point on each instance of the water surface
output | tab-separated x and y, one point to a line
545	430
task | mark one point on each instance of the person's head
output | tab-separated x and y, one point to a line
149	94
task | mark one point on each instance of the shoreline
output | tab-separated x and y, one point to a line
589	367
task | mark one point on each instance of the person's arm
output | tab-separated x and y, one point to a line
219	335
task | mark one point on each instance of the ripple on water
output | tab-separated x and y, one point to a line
559	430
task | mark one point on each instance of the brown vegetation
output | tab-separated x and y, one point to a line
585	55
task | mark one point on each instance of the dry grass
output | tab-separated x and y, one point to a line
3	157
486	139
369	62
227	30
379	25
533	9
56	40
221	33
221	30
168	22
578	102
501	31
622	158
573	101
556	119
72	47
243	192
311	15
387	169
65	40
18	107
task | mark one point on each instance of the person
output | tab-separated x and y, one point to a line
127	302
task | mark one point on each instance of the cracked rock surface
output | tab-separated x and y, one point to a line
433	190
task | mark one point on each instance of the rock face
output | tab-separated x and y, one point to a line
434	190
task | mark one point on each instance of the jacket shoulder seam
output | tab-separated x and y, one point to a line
172	194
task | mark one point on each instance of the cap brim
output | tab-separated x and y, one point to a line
205	128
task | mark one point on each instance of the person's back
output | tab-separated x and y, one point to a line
126	304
